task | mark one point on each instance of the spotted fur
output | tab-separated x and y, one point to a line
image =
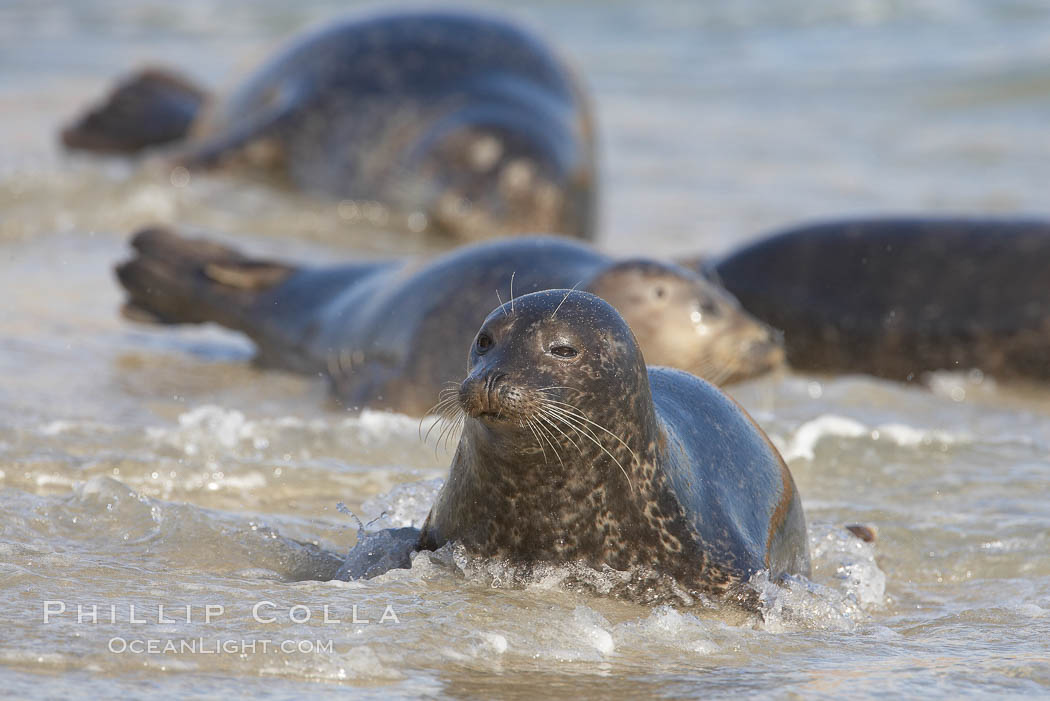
593	457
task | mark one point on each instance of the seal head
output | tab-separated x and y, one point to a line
531	368
688	322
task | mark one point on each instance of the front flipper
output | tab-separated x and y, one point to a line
240	131
373	380
379	552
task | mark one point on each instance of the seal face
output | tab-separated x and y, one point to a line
572	450
462	123
388	334
899	297
700	328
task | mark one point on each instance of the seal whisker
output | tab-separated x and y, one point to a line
442	421
546	433
557	423
573	423
500	302
713	370
543	415
456	425
512	273
522	423
575	412
571	290
441	409
709	370
449	412
598	443
442	406
543	419
444	402
528	423
539	438
424	438
450	427
574	429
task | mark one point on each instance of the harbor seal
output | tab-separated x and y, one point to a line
573	450
389	334
900	297
467	122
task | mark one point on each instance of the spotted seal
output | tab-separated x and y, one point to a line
389	334
899	297
573	450
468	122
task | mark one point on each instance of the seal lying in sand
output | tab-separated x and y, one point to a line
390	334
899	297
466	120
573	450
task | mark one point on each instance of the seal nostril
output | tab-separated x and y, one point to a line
479	394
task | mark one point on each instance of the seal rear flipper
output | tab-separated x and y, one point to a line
150	108
176	280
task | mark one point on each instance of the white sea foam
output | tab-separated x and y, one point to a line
849	562
209	427
803	442
667	626
210	430
405	505
496	642
380	425
357	663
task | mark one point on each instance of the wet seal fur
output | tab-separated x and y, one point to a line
465	119
573	450
390	334
901	297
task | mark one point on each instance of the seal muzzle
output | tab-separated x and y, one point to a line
479	394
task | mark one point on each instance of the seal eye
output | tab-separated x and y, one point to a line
659	291
564	351
484	342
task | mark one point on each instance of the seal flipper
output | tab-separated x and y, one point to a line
150	108
379	552
175	280
245	129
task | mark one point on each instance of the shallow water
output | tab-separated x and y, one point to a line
147	469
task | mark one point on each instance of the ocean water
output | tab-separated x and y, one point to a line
168	513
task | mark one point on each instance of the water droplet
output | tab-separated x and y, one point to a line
180	177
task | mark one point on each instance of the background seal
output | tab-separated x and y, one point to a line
389	334
899	297
465	119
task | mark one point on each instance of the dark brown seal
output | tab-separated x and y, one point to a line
467	122
573	450
390	334
900	297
